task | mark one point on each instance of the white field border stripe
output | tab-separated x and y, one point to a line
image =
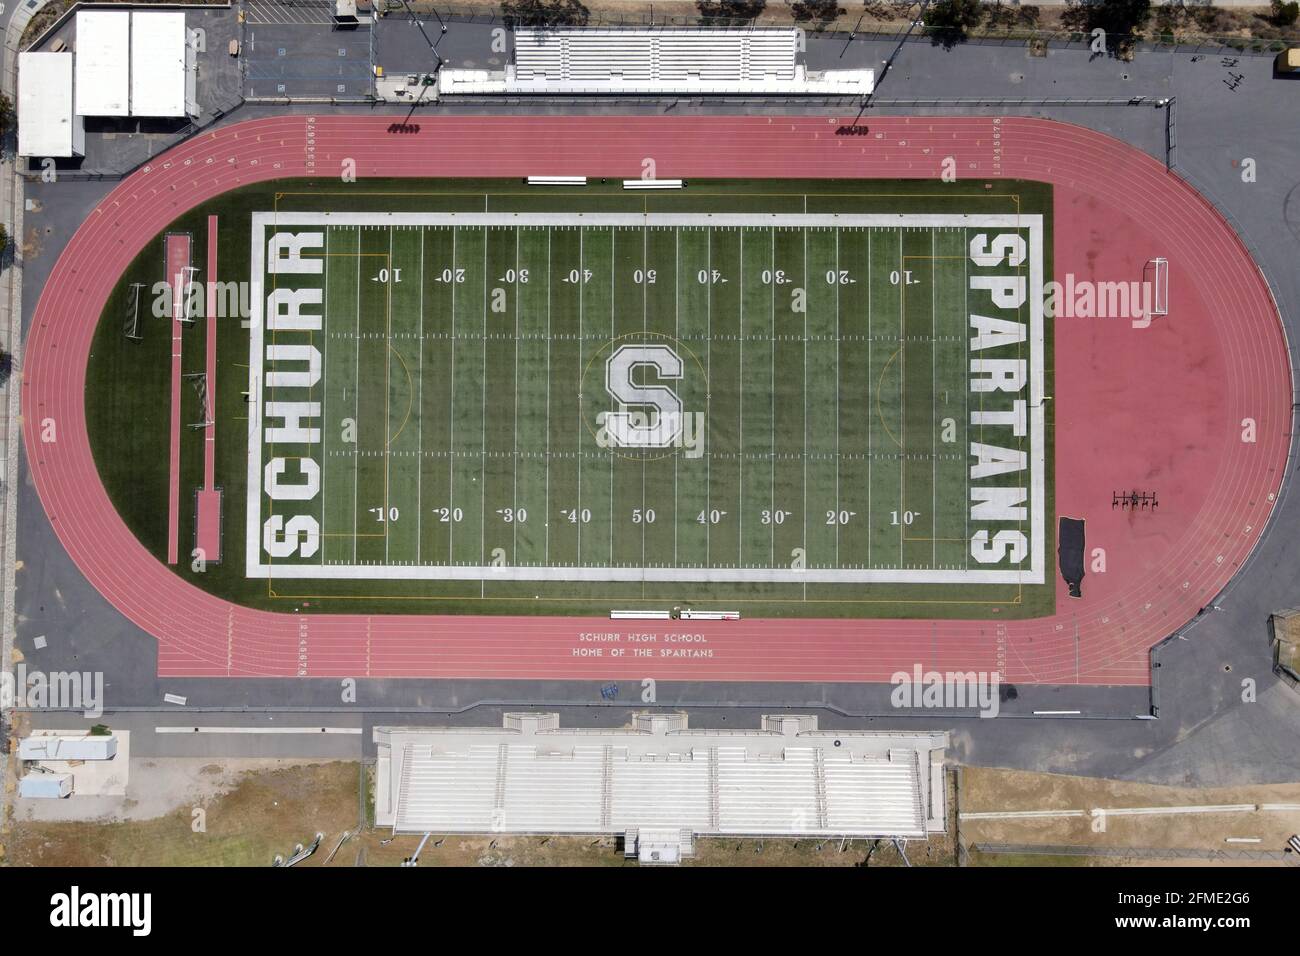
253	517
1035	574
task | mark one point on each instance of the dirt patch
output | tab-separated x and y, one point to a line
264	813
986	789
268	811
33	244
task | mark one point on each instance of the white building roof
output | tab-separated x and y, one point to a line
103	62
64	747
787	779
47	125
158	52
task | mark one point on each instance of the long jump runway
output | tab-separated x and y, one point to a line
1166	407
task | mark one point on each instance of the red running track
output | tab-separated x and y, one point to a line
208	500
1159	408
177	255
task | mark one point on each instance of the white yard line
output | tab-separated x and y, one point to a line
388	371
546	509
837	397
645	319
356	410
582	282
772	448
613	456
740	485
419	422
807	562
708	402
870	374
514	504
677	319
451	417
482	442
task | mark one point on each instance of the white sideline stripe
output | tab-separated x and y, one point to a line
257	730
1034	574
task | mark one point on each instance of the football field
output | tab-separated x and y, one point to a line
664	397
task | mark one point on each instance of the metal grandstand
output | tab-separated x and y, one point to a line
663	61
660	784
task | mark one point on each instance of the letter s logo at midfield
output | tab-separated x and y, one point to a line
662	428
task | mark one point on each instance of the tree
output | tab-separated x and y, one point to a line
1122	21
1285	14
6	114
730	11
544	13
819	11
948	21
1005	17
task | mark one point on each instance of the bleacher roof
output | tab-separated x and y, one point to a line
657	61
786	779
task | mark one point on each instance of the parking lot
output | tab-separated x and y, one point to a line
306	60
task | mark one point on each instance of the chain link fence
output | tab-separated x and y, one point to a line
1060	39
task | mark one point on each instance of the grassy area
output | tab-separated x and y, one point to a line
475	420
267	813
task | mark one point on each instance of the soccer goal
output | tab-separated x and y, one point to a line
1157	273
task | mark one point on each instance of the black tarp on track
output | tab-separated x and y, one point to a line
1069	551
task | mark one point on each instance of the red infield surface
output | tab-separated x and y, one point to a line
1156	409
178	262
208	498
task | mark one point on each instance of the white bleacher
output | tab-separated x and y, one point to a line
767	793
873	795
660	791
786	779
441	791
553	791
657	61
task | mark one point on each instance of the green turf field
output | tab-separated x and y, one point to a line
429	400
